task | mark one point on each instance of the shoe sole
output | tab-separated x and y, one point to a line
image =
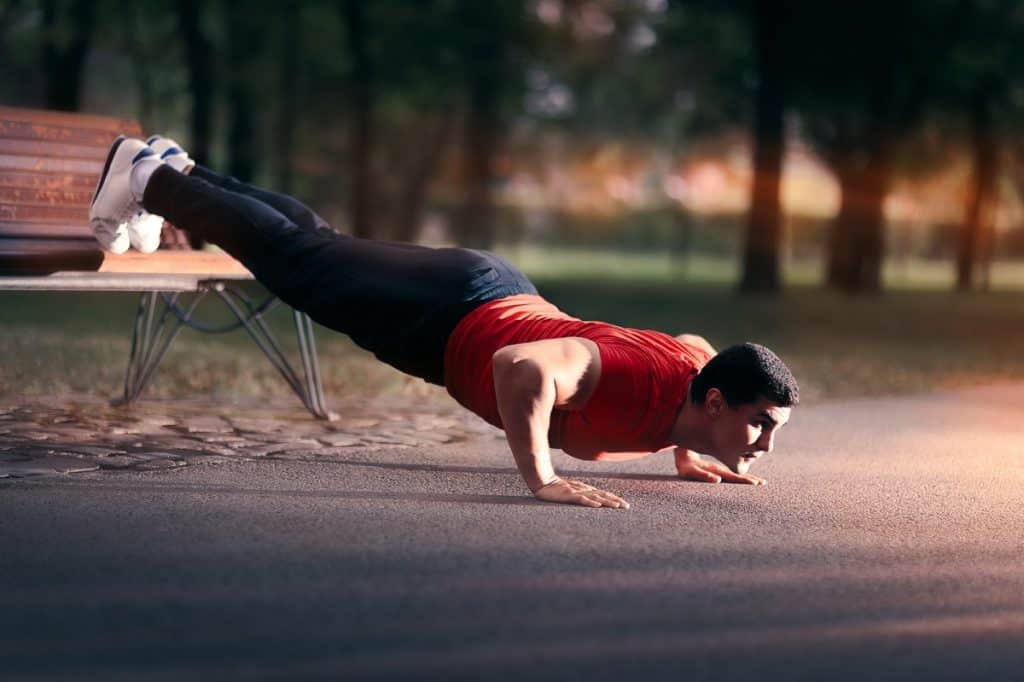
106	167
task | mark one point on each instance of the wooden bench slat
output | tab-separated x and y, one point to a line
87	137
70	121
209	263
42	231
44	197
31	256
51	149
28	179
38	257
27	163
27	213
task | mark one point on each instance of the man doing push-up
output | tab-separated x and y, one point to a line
471	322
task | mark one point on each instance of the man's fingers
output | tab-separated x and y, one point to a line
603	496
730	476
610	500
577	492
699	474
599	498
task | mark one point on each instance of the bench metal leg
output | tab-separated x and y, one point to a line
151	338
153	335
310	391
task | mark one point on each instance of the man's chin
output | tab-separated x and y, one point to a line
737	463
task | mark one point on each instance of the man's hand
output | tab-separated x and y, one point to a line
693	467
578	492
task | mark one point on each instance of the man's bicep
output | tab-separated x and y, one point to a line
572	363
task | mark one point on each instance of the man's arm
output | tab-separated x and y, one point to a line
531	380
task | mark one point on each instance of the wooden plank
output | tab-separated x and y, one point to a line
23	213
74	120
28	179
46	197
39	256
42	231
28	163
35	257
204	263
54	149
30	246
89	137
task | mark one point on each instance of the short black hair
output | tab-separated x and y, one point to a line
744	373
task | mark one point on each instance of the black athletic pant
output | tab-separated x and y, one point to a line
399	301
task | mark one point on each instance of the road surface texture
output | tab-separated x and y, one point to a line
888	544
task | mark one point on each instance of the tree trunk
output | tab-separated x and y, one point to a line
857	246
413	196
871	236
474	221
64	64
289	94
842	250
243	43
134	23
983	186
199	56
764	225
353	13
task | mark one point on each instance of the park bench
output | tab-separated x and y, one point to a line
49	164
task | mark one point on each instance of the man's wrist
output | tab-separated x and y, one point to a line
544	483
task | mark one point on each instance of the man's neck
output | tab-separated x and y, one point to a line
690	428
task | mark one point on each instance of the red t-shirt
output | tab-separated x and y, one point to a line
644	376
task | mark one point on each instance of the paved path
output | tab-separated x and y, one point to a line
889	544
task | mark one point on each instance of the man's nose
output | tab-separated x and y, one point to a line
766	442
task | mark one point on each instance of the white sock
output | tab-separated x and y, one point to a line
180	162
141	170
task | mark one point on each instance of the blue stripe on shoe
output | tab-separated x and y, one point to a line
171	151
153	139
143	153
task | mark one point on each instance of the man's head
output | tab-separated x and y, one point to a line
745	394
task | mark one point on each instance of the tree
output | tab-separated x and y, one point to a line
487	38
764	224
361	84
67	31
245	35
984	68
865	86
200	61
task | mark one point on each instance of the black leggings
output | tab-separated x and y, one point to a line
400	301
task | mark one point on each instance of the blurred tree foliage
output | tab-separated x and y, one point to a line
381	109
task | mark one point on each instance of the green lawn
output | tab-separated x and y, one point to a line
906	340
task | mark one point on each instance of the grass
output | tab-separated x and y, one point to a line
916	337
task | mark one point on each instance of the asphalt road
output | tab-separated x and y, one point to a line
888	544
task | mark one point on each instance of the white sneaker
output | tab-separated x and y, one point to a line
171	153
113	203
113	237
144	230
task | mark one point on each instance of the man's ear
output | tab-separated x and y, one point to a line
714	403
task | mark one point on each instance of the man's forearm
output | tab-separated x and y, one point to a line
525	401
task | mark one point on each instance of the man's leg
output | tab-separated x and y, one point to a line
387	297
290	207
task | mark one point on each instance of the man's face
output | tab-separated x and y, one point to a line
741	434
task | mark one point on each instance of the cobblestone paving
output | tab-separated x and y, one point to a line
77	434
